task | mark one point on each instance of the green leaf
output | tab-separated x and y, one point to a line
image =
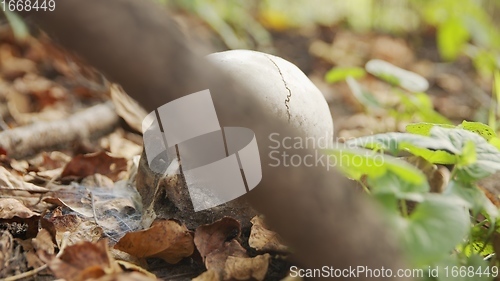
476	199
479	128
495	142
364	97
488	157
433	229
420	105
359	162
468	156
485	62
451	38
338	74
431	149
479	242
432	156
424	128
392	183
442	146
397	76
19	28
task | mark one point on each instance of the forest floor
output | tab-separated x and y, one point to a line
75	183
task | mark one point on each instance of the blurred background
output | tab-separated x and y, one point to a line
454	44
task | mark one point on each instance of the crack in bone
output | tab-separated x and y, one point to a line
287	100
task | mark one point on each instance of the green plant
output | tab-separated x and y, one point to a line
463	27
439	231
413	105
453	228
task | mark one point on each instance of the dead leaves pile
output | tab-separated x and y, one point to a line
223	254
74	213
218	244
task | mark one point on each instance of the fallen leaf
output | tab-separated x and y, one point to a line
75	230
12	182
127	108
82	166
97	180
20	221
122	256
47	161
246	268
12	66
128	266
43	242
126	276
11	208
29	252
263	239
210	237
393	50
118	144
6	251
165	239
83	261
216	260
209	275
114	206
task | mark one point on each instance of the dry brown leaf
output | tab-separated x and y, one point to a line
74	230
216	260
96	163
209	275
6	248
263	239
47	161
119	145
12	182
43	242
128	266
35	99
246	268
437	176
83	261
11	208
29	252
20	166
127	108
210	237
393	50
97	180
126	276
50	174
12	66
165	239
41	91
18	219
122	256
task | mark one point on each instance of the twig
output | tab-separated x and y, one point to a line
28	140
38	269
